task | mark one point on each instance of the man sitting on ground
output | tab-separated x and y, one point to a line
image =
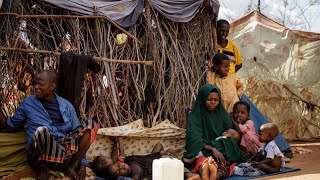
55	138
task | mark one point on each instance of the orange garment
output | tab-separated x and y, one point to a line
230	86
233	53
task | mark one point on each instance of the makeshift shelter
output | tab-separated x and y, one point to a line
177	42
281	73
127	33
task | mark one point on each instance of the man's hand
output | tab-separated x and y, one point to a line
82	172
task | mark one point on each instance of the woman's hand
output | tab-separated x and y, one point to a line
218	155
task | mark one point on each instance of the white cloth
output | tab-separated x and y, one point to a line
246	169
272	150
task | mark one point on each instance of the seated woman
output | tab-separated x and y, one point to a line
227	143
207	121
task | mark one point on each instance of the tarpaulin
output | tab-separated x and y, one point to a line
281	73
127	12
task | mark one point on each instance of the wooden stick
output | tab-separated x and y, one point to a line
54	53
46	16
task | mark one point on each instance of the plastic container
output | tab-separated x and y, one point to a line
167	169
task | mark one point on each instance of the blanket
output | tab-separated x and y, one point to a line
13	155
139	140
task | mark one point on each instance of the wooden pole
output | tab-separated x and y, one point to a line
46	16
153	53
54	53
97	22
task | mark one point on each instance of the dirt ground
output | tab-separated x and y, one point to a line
304	159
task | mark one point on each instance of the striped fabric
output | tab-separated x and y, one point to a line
57	153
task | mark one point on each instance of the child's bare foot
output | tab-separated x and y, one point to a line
205	175
213	167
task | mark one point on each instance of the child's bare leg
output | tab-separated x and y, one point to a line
191	176
157	148
268	169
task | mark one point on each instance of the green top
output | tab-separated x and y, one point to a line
204	126
229	148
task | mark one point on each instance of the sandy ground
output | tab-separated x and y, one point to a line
308	162
303	158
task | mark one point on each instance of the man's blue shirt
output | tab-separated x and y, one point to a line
32	113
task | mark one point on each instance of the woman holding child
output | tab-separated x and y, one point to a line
208	121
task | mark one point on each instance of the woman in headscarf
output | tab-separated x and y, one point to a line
206	122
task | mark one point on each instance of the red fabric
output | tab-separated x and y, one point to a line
199	163
225	169
121	159
231	169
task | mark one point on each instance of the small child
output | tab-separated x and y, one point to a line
269	158
249	140
227	46
229	84
223	169
99	163
136	167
